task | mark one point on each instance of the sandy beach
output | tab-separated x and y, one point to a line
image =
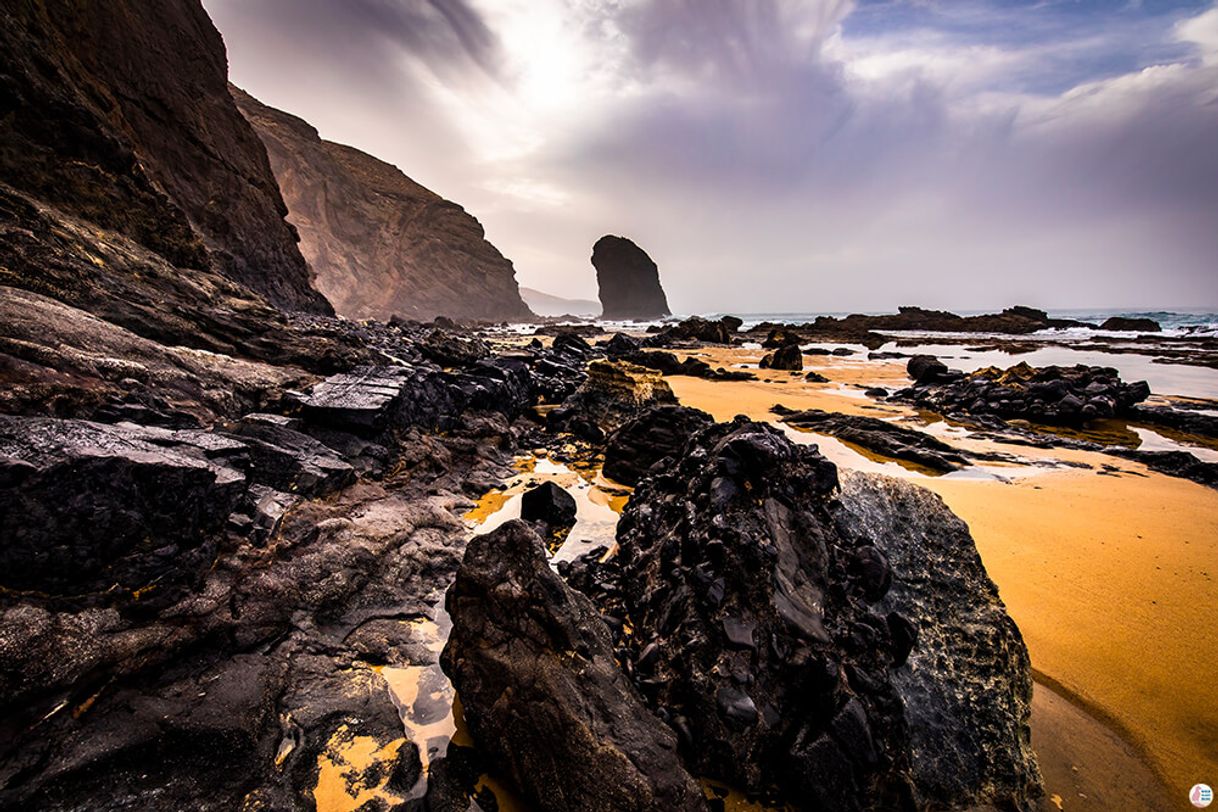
1110	577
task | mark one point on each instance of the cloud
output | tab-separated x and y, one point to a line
833	154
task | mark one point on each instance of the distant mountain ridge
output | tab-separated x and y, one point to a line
379	244
547	304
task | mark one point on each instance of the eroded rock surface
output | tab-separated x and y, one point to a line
534	665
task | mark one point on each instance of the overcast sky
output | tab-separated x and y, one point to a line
774	155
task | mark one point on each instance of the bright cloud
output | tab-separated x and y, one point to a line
783	155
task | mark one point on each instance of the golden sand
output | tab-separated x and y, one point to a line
1110	578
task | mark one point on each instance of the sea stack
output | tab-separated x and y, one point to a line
628	279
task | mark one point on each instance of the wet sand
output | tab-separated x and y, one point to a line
1110	578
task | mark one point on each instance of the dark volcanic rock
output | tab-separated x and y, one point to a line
534	666
883	437
656	434
360	400
550	505
925	369
379	243
629	281
122	118
1064	395
786	357
967	690
781	337
1173	463
748	631
288	460
613	392
86	506
696	328
1125	324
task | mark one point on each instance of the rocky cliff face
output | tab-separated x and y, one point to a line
118	114
628	279
380	244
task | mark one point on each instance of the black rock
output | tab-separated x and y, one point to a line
85	506
520	633
1125	324
550	505
883	437
924	369
628	280
643	441
786	357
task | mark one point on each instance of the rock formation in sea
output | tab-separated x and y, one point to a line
119	117
628	279
379	244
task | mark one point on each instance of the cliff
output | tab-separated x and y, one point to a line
380	244
118	114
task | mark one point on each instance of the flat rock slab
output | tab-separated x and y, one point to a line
84	506
359	400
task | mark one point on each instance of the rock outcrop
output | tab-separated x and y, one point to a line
882	437
1133	325
379	244
967	688
534	665
812	644
628	279
613	392
121	118
786	357
657	434
1062	395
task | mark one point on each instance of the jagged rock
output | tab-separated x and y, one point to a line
786	357
86	506
773	619
613	392
883	437
696	328
122	118
534	665
1066	395
450	350
772	665
815	377
360	400
654	435
287	460
629	281
1186	420
379	243
967	689
550	505
1125	324
621	344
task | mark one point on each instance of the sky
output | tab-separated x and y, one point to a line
784	155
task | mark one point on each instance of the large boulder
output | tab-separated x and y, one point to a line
86	506
656	434
613	392
924	369
967	689
787	357
817	644
542	693
751	635
628	279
